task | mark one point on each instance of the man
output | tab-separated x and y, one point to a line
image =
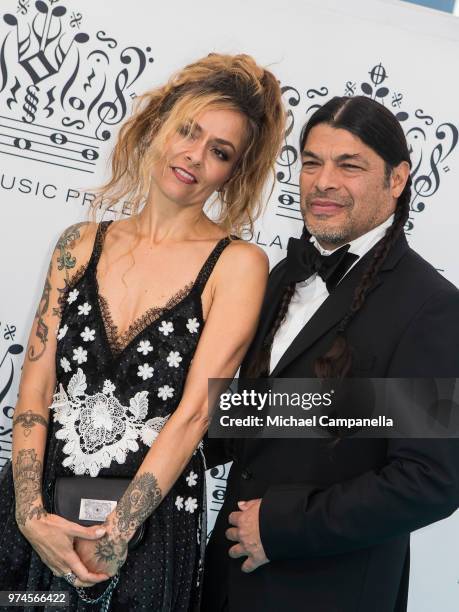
309	525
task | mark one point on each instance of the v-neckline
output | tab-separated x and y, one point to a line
119	343
144	321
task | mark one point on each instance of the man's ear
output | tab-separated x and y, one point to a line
398	179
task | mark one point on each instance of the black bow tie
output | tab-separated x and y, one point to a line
304	260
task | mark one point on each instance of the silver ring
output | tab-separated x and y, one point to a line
70	577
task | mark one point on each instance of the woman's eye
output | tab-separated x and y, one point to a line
221	154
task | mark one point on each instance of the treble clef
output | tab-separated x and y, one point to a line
111	113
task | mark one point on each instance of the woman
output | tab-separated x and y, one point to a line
116	331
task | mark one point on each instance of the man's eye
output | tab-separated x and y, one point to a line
310	164
351	166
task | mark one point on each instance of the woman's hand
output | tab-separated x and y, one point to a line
52	537
106	555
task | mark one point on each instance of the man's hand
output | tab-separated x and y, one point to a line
246	532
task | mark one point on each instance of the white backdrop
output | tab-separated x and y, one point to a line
67	83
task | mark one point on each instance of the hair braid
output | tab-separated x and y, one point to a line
338	360
259	366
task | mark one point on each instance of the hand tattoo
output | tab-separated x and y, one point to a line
28	420
27	473
109	550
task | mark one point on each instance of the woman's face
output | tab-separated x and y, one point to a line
198	161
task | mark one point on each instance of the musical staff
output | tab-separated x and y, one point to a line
51	146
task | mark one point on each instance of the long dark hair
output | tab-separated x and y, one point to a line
378	128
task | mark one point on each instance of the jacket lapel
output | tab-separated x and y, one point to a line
336	305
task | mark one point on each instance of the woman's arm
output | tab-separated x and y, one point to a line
51	536
239	282
38	380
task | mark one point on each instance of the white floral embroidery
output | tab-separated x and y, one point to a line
145	371
84	309
62	331
108	388
88	335
191	504
73	296
165	392
65	364
192	326
80	355
145	347
152	428
179	502
173	359
191	479
97	429
166	328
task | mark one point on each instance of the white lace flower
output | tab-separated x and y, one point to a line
191	504
173	359
88	334
96	429
145	371
84	309
166	328
192	478
165	392
192	326
179	502
80	355
65	364
145	347
73	296
108	388
62	331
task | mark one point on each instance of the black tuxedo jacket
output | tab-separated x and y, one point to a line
335	520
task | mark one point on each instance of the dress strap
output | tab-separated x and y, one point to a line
210	262
98	243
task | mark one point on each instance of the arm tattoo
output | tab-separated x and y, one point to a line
28	420
27	473
142	496
140	499
65	261
42	329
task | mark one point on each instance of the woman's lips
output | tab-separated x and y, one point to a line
183	175
324	207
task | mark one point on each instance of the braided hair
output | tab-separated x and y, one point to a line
378	128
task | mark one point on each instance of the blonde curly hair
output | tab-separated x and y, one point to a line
217	81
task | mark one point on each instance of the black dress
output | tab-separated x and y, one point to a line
120	392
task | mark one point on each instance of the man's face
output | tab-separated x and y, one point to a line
344	190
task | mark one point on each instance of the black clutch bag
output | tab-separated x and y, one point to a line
87	501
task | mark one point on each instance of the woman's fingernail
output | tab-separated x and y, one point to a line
100	532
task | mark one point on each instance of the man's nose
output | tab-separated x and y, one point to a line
327	178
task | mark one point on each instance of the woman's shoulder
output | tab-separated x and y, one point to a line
246	252
241	258
74	246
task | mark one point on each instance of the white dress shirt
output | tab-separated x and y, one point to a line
311	294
